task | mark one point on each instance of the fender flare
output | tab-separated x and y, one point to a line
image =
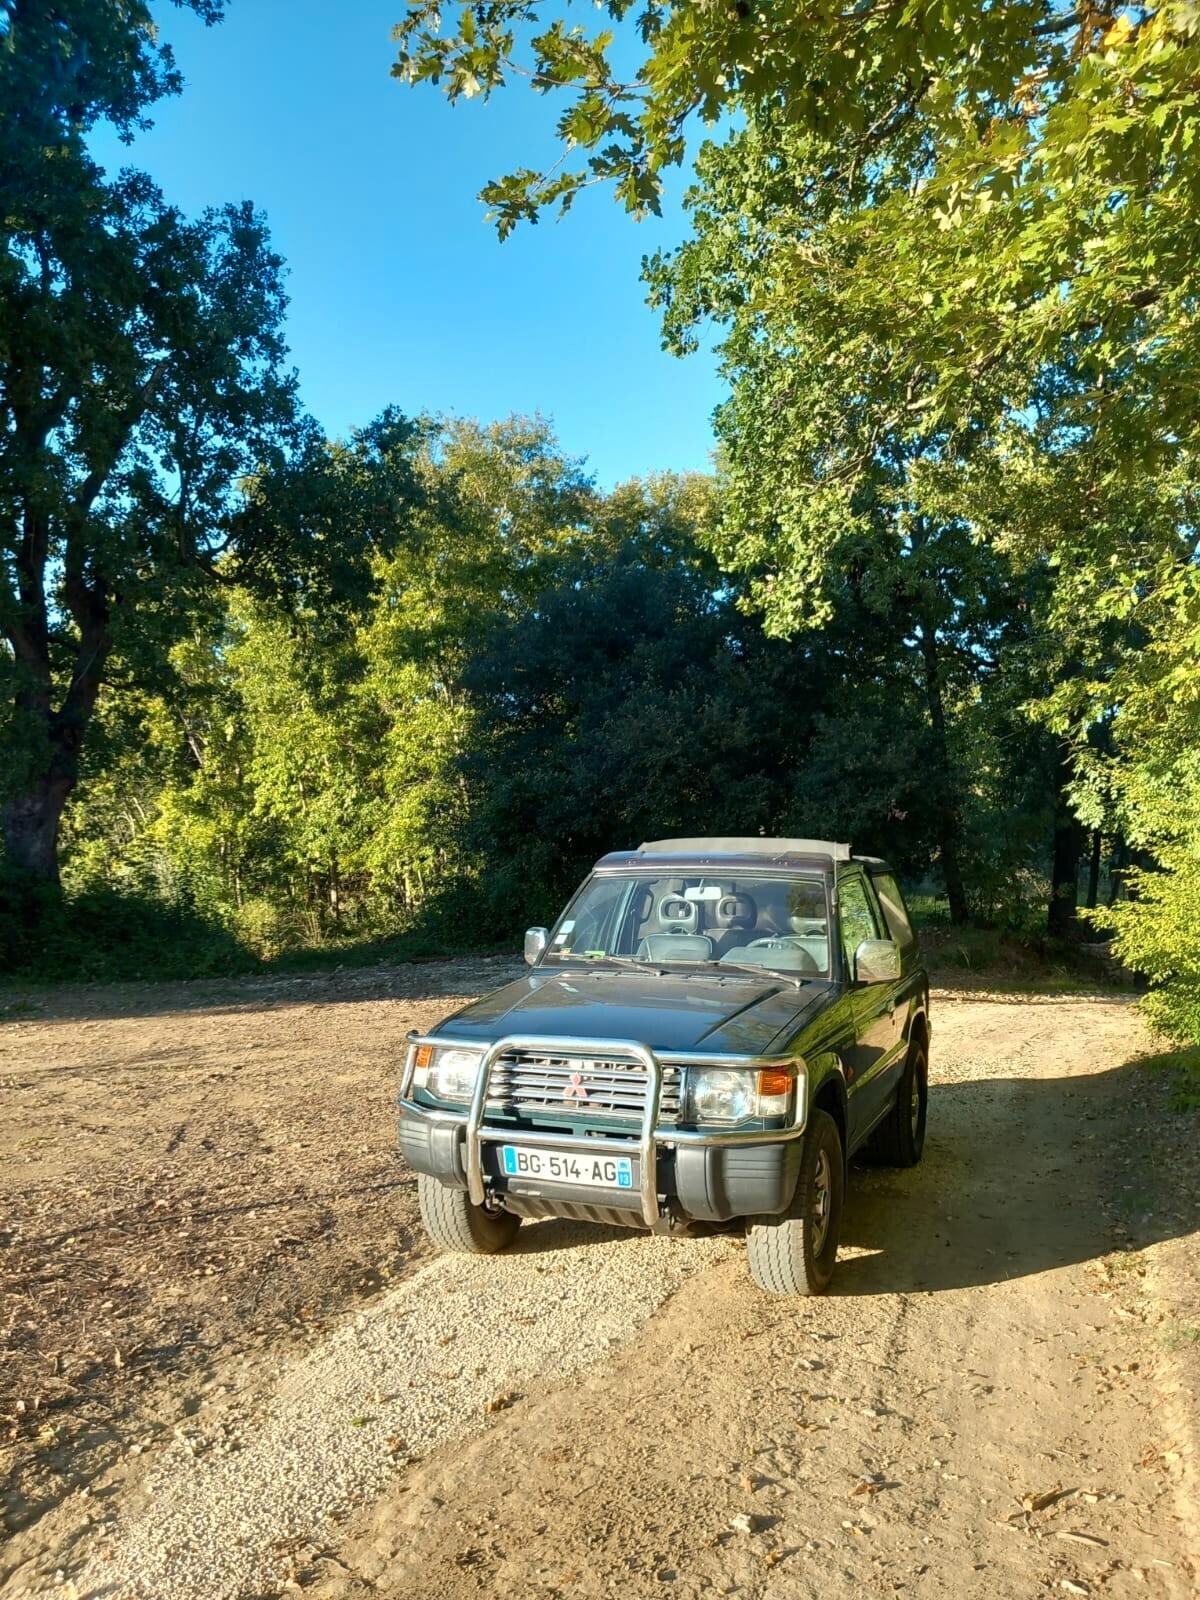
827	1082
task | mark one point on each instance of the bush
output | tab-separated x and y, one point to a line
103	935
269	929
1158	935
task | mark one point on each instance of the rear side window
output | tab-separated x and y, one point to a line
894	909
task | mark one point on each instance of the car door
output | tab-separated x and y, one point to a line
871	1057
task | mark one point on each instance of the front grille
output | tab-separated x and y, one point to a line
530	1084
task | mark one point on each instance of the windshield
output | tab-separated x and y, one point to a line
697	920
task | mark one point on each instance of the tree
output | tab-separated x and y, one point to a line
301	747
273	710
615	701
980	225
506	504
837	493
141	377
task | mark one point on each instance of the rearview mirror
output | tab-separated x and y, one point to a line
536	940
877	961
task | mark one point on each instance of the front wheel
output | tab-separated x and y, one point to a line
795	1252
454	1223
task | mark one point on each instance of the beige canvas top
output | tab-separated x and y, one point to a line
751	845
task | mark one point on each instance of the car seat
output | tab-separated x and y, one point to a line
679	940
733	915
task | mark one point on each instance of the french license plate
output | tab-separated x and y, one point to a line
567	1166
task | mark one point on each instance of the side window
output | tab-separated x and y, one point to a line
858	919
894	909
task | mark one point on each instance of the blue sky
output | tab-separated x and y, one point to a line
399	290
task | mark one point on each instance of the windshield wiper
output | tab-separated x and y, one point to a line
681	969
598	963
753	968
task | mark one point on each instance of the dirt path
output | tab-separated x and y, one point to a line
196	1181
998	1400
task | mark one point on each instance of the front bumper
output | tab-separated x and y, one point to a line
709	1174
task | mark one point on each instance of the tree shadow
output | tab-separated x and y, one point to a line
452	979
1020	1176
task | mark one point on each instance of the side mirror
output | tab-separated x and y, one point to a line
877	961
536	940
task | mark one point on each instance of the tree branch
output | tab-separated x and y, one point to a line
91	486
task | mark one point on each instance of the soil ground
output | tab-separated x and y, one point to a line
231	1367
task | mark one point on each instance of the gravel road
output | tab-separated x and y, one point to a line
421	1368
999	1399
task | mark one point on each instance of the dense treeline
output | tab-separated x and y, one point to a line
264	690
519	671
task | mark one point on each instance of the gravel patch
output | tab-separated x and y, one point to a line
462	1335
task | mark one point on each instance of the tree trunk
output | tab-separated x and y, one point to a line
335	889
31	820
1116	863
948	840
1064	872
1093	888
32	815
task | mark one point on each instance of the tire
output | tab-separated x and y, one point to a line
453	1223
795	1253
900	1137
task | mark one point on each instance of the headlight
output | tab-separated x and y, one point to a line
719	1094
446	1072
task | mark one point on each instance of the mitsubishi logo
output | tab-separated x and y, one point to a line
575	1089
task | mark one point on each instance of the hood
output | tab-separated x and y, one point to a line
671	1012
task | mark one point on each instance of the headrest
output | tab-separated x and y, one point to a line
735	911
814	925
676	912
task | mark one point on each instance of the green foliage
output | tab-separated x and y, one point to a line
1158	926
299	769
63	69
392	693
618	701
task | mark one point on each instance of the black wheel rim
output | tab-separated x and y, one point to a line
914	1109
822	1202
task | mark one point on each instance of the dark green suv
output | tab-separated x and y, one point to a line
709	1032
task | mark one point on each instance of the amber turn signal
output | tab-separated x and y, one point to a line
775	1081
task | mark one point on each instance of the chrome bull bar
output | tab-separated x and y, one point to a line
477	1133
